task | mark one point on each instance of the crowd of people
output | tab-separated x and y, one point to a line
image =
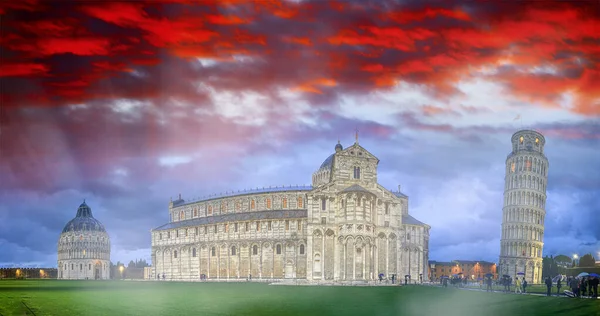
586	286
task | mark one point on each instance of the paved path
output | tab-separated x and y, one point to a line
513	292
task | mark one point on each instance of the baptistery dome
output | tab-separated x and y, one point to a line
84	248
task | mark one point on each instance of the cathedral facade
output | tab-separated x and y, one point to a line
344	228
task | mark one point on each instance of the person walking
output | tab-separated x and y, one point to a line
489	284
558	285
518	286
548	286
524	285
594	285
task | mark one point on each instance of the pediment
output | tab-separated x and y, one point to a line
358	151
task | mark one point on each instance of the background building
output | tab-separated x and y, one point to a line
84	248
524	207
470	269
28	273
344	228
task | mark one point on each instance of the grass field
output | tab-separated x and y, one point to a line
52	297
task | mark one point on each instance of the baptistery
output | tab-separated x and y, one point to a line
84	248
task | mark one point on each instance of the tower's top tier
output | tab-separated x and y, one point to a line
528	141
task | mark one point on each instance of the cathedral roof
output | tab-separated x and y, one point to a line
180	201
400	194
84	221
409	220
355	188
234	217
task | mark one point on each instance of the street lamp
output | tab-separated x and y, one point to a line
121	268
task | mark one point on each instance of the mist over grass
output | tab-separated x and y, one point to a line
52	297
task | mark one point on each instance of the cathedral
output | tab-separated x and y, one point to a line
345	228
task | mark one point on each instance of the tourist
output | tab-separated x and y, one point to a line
594	285
558	285
489	284
583	286
574	284
549	286
518	288
524	285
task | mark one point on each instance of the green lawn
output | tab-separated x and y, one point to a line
52	297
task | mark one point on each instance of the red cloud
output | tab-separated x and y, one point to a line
356	46
25	69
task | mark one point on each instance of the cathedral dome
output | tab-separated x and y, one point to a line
84	221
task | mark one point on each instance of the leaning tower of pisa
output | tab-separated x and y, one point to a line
524	211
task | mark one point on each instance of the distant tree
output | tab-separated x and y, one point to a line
562	259
131	264
142	263
547	263
587	261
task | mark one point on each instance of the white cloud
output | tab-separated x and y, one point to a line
171	161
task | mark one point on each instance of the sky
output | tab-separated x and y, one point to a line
127	104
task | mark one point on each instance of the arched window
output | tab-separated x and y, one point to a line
233	250
175	254
356	172
268	203
196	231
159	235
284	203
213	251
210	210
521	140
237	206
278	249
195	212
252	204
194	252
323	204
255	250
299	202
301	249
